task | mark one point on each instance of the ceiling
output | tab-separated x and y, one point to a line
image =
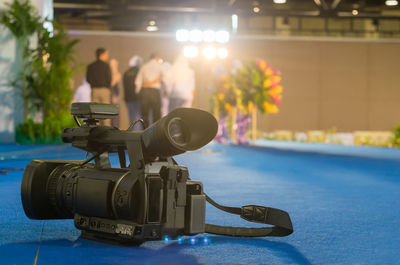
135	15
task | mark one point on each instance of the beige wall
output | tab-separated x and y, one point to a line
350	85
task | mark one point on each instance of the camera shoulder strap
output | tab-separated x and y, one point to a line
282	225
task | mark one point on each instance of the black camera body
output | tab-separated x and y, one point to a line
147	199
151	198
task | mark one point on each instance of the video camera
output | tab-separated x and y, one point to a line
148	199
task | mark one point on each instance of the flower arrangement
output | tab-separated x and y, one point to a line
224	96
255	85
260	86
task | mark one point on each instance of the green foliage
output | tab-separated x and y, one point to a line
46	74
20	19
23	22
259	85
51	73
47	132
396	136
248	79
224	95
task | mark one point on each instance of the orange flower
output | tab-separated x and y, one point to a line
276	99
270	108
229	108
267	83
276	79
251	107
275	90
262	65
268	72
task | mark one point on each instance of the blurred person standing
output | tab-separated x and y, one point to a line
131	97
148	84
98	75
83	92
182	82
164	90
115	82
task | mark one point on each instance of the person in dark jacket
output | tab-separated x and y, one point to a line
131	97
98	75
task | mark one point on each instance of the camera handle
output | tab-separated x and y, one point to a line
282	225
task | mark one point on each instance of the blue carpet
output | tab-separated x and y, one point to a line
344	209
333	149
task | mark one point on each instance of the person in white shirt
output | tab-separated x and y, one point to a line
83	93
181	80
148	84
164	90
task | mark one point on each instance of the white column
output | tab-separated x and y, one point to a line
11	104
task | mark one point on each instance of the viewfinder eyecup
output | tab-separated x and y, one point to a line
183	129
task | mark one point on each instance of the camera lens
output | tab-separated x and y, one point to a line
177	131
59	189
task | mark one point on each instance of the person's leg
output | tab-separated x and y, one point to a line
145	105
164	105
95	95
106	94
105	97
172	104
129	106
137	114
102	95
151	116
115	120
156	106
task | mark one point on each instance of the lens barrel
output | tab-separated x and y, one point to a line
34	190
59	189
183	129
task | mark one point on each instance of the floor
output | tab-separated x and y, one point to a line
345	209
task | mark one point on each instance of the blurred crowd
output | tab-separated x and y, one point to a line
150	90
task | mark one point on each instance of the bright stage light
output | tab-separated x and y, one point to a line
222	36
222	53
195	35
190	51
391	2
209	52
208	36
151	28
280	1
235	22
182	35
